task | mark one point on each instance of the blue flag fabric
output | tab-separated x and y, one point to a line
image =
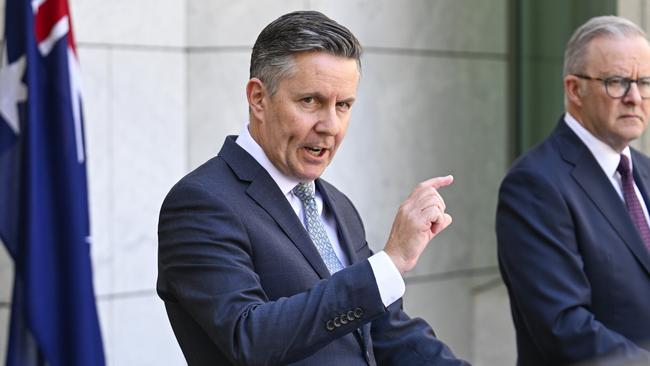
43	194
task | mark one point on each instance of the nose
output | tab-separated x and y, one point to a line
329	122
633	96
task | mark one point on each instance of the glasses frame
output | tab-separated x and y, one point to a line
606	81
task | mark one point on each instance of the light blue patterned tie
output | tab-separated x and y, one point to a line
305	191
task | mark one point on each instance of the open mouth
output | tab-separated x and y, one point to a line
315	151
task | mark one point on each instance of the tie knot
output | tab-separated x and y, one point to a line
624	166
304	191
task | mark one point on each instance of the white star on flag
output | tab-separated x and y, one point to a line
12	90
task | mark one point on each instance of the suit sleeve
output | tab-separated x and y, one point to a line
540	260
206	266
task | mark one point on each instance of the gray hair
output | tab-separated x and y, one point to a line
301	31
575	55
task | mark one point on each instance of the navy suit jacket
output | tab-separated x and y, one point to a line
244	285
576	269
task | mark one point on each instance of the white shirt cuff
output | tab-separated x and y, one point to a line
389	280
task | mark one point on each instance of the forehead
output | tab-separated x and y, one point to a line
619	55
321	69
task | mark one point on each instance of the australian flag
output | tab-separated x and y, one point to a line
43	194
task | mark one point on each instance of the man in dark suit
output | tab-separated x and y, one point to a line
261	262
572	219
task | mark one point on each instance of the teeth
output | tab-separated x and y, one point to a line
315	151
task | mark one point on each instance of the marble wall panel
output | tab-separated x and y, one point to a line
445	305
6	274
644	10
4	333
124	22
96	69
493	336
104	305
6	288
221	23
633	10
418	117
424	24
149	154
471	315
142	334
442	25
637	11
641	15
217	104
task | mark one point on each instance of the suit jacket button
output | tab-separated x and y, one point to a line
337	323
350	316
358	313
330	325
343	318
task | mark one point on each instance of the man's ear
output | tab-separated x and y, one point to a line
572	90
256	93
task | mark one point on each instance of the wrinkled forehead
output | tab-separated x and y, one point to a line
616	55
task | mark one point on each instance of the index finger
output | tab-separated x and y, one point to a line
439	182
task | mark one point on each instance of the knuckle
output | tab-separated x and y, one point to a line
421	185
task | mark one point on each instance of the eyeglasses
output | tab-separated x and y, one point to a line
617	87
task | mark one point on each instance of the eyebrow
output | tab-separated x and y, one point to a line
347	100
625	77
321	96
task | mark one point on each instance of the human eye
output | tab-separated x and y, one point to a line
644	83
309	102
617	81
343	106
644	87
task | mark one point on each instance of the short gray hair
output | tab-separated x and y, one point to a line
301	31
575	56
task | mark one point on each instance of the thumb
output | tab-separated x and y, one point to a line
441	224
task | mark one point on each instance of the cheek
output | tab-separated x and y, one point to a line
608	110
345	123
339	138
645	107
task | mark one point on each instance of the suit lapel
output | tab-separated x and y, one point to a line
641	176
588	174
642	179
265	192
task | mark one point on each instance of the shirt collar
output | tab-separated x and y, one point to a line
246	141
607	158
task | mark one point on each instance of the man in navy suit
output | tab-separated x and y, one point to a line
261	262
572	219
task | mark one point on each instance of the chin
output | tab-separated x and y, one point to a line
310	177
309	172
315	175
634	133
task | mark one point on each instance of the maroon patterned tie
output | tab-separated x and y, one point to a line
632	201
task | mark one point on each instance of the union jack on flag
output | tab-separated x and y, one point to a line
43	193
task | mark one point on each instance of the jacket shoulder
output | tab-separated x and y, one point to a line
639	157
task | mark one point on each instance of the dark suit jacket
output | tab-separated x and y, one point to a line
244	285
577	271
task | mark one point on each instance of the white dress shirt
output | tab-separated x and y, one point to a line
607	158
389	280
